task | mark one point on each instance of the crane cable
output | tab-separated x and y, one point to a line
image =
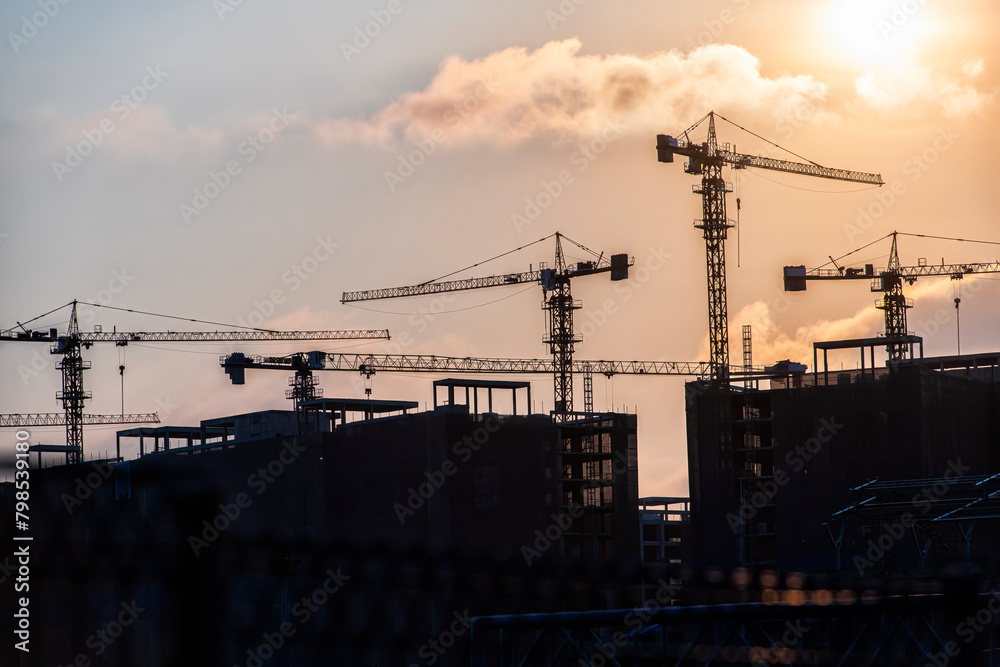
834	260
121	372
434	280
142	312
443	312
581	246
924	236
769	141
738	243
21	324
756	174
174	317
948	238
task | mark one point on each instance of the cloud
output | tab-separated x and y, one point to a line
771	343
515	95
973	67
914	88
149	133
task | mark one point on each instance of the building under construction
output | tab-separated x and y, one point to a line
360	532
772	469
216	531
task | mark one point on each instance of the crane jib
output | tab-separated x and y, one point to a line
667	146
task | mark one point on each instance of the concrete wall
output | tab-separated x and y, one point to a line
908	424
427	516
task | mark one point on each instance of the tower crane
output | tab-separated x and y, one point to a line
557	300
236	362
707	159
889	282
72	364
304	363
59	419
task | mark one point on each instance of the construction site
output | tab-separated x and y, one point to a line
835	516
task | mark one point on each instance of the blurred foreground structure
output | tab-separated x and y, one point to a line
834	518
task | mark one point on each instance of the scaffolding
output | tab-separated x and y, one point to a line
594	463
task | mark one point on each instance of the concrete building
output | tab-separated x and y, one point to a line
366	542
769	467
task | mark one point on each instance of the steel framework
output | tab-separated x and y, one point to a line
558	302
895	629
59	419
890	282
72	364
369	363
707	160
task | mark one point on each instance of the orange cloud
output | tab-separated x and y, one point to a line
914	89
515	95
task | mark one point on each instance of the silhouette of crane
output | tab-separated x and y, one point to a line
707	159
72	365
558	301
304	363
889	282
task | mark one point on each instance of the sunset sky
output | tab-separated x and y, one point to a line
187	158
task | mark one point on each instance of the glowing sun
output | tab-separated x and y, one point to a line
876	32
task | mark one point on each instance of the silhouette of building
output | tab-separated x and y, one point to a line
368	538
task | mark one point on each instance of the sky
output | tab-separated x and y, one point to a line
248	161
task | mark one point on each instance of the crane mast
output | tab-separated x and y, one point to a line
561	339
893	303
890	282
707	160
715	228
557	301
72	395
